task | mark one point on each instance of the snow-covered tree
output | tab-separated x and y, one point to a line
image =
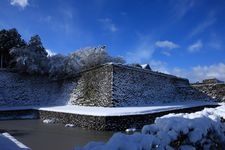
92	57
57	66
36	45
9	39
86	58
31	58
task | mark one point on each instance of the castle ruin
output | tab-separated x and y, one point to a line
109	85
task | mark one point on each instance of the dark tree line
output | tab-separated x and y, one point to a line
9	39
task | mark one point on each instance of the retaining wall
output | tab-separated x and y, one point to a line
94	87
110	85
106	123
115	85
24	90
215	91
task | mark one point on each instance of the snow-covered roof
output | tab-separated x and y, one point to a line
146	66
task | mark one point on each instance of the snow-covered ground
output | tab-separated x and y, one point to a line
123	111
115	111
201	130
151	136
8	142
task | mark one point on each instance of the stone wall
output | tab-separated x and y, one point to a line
115	85
106	123
24	90
133	86
94	87
136	87
110	85
215	91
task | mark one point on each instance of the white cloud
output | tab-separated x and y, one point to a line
182	7
213	71
215	42
167	53
50	52
65	20
141	55
158	65
142	52
203	25
108	24
199	73
46	19
67	13
166	44
195	47
144	56
20	3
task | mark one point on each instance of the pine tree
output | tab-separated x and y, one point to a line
9	39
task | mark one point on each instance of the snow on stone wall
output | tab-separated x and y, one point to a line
120	85
108	85
24	90
94	87
216	91
134	86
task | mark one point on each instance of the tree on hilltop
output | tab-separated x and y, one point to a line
31	58
9	39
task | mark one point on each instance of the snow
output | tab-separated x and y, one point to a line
69	125
200	130
130	130
123	111
145	66
114	111
49	121
8	142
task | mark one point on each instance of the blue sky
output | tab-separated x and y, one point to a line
181	37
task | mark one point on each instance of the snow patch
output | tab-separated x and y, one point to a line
8	142
70	125
130	130
124	111
49	121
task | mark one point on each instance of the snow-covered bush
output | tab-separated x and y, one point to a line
31	58
200	130
91	57
86	58
56	66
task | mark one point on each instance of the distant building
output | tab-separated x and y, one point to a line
212	81
146	66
